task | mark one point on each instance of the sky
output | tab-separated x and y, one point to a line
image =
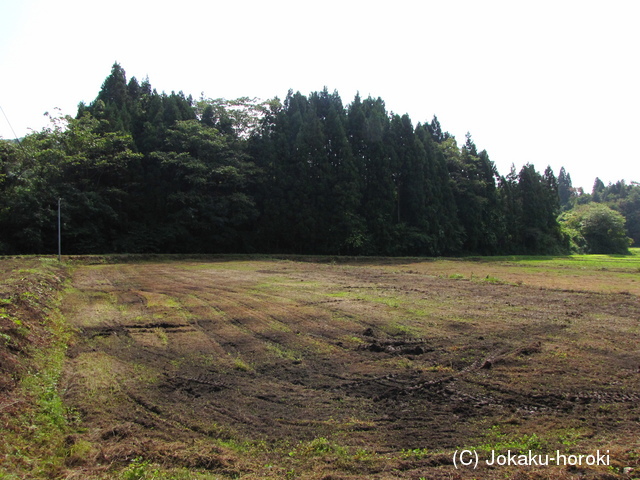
543	82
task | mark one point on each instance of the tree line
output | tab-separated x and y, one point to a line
140	171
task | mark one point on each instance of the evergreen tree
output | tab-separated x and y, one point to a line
598	188
205	180
145	171
540	205
441	216
565	189
344	227
114	100
367	129
473	176
511	206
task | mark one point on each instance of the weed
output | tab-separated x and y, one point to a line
241	365
415	453
283	352
440	369
79	452
569	437
493	280
162	335
397	329
7	339
33	439
353	339
339	294
405	363
138	469
317	447
499	441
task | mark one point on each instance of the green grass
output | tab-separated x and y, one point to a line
498	441
241	365
618	262
34	438
283	352
317	447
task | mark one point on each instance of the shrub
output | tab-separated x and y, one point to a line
596	228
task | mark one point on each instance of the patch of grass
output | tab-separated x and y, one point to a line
421	312
415	453
494	280
162	335
440	369
160	300
33	437
319	346
353	339
318	447
569	437
144	374
97	374
139	469
498	441
400	329
601	273
79	452
283	352
340	294
241	365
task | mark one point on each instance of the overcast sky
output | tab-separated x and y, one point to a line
543	82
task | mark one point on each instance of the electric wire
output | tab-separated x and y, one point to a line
10	126
14	132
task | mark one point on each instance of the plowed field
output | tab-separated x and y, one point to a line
283	369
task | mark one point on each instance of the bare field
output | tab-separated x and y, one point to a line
282	369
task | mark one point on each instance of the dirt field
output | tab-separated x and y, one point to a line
283	369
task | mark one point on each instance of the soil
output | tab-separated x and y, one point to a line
233	367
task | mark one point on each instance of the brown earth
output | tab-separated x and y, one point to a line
27	287
282	369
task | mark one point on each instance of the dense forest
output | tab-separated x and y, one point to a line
142	171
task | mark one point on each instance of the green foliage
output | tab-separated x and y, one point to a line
142	171
415	453
139	469
318	447
34	435
565	189
72	160
474	190
240	117
596	228
625	199
498	441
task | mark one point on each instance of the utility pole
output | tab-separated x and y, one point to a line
59	232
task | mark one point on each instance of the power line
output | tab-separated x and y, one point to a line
11	126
